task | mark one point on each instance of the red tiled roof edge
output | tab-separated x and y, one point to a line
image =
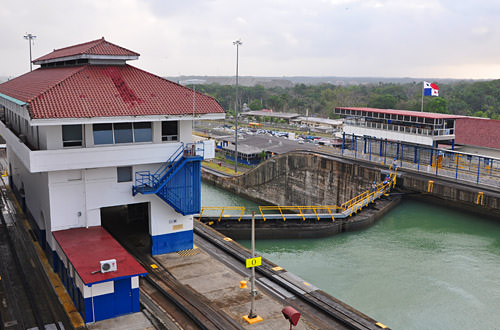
91	46
89	51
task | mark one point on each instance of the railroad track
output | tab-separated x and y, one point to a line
30	300
163	292
319	301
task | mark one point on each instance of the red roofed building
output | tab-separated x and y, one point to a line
98	294
87	131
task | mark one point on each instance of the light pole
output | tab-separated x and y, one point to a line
238	43
30	37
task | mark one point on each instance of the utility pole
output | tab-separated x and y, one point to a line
237	43
30	37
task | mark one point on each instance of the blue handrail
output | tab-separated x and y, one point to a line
145	181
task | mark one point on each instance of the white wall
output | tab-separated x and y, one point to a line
186	131
36	189
52	136
87	191
165	220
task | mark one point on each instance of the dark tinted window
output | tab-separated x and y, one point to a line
103	133
72	135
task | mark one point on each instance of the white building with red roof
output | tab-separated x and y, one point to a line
421	128
86	131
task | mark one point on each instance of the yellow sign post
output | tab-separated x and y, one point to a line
254	262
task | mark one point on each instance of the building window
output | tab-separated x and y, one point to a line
72	135
143	132
103	133
124	174
123	133
169	130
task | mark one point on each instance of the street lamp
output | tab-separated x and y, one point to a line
30	37
193	82
238	43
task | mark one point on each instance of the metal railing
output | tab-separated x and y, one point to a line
146	179
223	209
347	209
452	164
402	128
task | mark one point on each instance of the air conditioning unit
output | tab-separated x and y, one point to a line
108	266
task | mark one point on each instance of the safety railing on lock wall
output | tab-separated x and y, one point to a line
306	212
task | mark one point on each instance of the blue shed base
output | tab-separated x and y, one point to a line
173	242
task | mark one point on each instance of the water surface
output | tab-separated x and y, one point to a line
420	267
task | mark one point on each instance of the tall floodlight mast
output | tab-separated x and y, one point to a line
237	43
30	38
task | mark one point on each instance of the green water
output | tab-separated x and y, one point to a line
419	267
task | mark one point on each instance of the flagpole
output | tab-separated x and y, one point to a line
422	104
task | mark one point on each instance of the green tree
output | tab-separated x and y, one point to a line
436	104
385	101
255	105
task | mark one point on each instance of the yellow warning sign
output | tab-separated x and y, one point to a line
254	262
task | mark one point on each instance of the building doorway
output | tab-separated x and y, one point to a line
128	224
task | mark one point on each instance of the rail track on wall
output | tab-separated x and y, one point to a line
172	304
29	299
341	315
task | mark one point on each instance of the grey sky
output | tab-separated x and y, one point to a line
389	38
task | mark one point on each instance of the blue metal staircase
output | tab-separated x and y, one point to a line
177	181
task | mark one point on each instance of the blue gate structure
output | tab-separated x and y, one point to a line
449	163
177	181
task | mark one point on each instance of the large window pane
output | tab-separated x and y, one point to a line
72	135
123	133
143	132
103	133
169	130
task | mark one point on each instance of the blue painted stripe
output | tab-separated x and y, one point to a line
16	101
173	242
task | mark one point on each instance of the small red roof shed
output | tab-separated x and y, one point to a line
86	247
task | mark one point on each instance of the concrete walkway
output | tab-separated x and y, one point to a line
220	285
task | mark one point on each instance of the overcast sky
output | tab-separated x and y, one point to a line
379	38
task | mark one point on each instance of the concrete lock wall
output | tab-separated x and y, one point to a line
311	179
300	179
446	192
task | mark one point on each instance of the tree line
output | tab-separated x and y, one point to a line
479	98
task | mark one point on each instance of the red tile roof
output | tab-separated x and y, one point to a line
86	247
430	115
103	91
95	47
478	132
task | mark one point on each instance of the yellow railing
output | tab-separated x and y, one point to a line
299	209
222	210
354	205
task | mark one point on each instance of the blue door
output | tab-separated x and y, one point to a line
123	297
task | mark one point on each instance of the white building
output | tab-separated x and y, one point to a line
420	128
85	128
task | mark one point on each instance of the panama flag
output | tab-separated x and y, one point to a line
431	89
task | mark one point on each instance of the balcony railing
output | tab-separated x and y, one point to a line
402	128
